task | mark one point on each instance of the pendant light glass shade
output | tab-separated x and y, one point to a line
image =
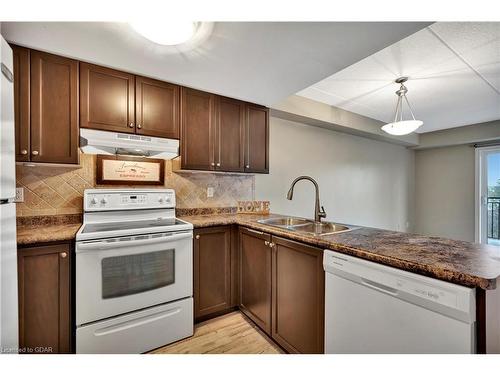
400	126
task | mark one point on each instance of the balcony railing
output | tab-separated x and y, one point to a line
493	223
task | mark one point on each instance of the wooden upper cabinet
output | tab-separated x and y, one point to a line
229	135
22	102
255	277
298	297
44	297
54	109
212	270
197	129
106	99
156	108
257	139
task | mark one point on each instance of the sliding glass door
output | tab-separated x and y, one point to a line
488	195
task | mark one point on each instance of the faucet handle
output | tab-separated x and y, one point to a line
322	213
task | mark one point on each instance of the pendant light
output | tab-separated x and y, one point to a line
400	126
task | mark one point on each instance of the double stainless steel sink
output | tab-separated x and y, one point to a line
297	224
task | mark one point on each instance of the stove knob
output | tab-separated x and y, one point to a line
94	201
104	201
160	200
168	200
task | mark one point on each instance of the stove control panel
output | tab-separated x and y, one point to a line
117	199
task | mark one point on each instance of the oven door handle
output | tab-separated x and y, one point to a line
106	244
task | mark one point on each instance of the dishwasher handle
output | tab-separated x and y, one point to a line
379	287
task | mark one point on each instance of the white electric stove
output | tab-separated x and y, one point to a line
134	272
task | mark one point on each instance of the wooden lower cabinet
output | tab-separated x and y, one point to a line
44	298
298	293
282	289
255	277
212	271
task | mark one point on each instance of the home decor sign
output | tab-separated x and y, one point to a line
253	207
129	170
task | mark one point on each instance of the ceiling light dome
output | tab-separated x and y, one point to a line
167	33
400	126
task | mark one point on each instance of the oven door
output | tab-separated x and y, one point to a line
119	275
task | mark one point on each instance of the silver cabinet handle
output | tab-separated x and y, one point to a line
63	255
197	237
266	243
218	164
34	152
24	152
131	125
139	126
247	166
254	231
212	164
272	244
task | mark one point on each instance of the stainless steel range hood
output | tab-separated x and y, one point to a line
111	143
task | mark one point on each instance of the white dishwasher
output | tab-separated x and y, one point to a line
371	308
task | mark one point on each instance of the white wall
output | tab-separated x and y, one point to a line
362	181
444	192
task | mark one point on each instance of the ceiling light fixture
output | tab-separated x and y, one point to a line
400	126
167	33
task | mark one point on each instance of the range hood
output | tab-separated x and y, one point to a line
111	143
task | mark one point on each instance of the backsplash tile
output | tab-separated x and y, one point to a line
56	191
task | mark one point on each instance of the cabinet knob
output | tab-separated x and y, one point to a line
218	164
34	152
271	244
64	255
139	126
212	164
197	237
24	152
266	243
247	166
131	125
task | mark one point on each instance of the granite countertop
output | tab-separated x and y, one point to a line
35	230
460	262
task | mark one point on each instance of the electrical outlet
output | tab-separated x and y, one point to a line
19	194
210	192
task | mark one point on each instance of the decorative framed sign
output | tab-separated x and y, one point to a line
129	170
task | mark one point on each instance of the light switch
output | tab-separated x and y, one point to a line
19	195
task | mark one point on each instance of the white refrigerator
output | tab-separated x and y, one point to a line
9	340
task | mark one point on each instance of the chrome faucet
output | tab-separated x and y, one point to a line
318	213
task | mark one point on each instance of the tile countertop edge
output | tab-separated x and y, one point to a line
438	272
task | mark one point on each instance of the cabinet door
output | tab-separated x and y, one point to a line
257	139
212	270
197	129
156	108
229	135
22	102
54	109
298	297
255	277
44	297
106	99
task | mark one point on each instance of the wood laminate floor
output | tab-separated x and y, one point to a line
228	334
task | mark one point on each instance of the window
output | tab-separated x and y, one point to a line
488	195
